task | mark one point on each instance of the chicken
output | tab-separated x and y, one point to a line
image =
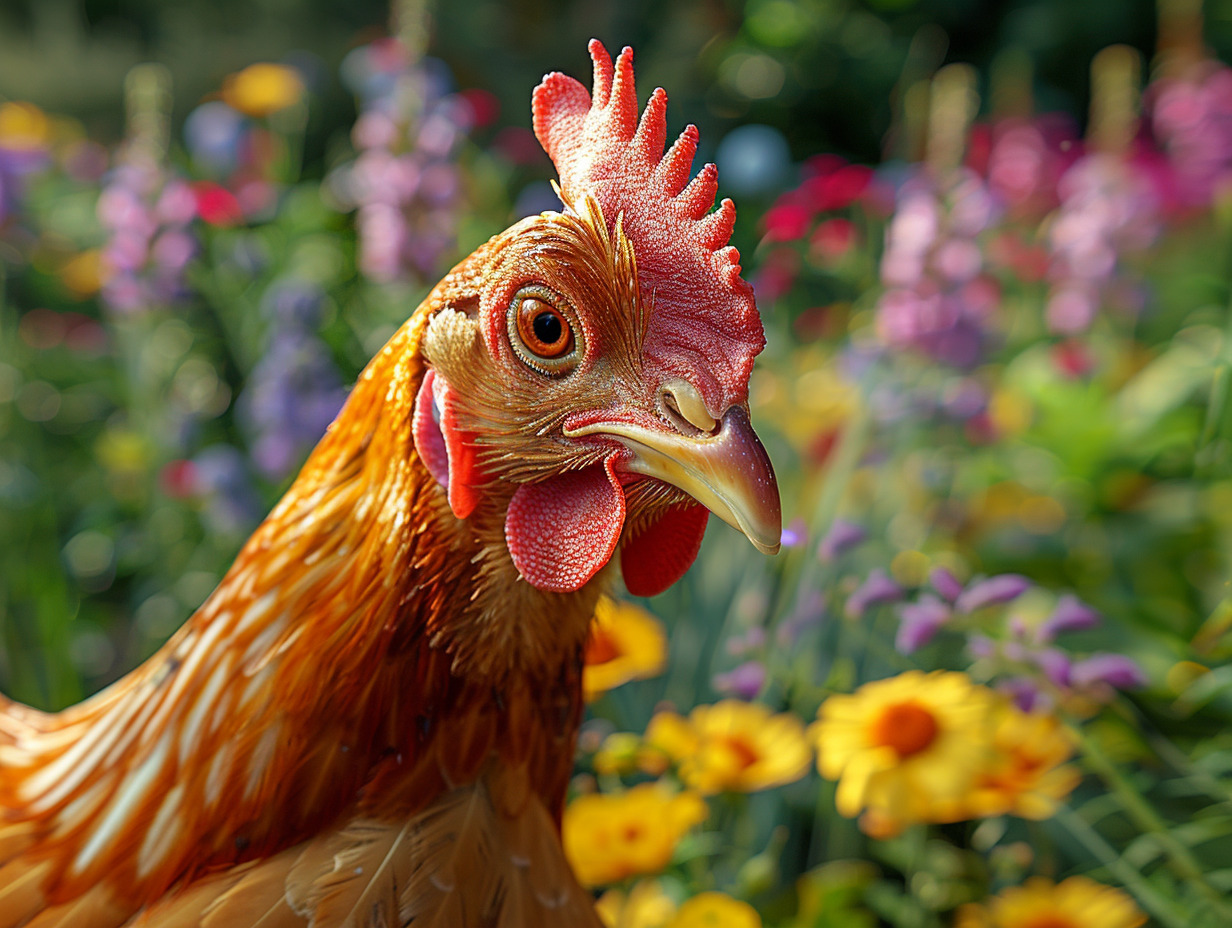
372	720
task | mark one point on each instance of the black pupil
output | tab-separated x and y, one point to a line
548	328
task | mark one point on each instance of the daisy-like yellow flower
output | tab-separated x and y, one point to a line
1040	903
1026	774
626	643
646	905
715	910
615	836
732	745
263	89
906	746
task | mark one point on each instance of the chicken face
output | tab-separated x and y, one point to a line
590	374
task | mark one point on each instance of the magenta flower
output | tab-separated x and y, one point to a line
945	583
745	681
876	590
1112	669
1070	615
842	537
1002	588
919	622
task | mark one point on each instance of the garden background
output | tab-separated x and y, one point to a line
992	246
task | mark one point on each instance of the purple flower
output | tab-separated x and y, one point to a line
843	536
794	533
878	588
744	681
404	181
1070	615
981	647
221	478
145	212
1025	693
1113	669
1055	664
919	621
995	590
294	392
945	583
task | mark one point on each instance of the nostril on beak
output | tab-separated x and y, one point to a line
684	406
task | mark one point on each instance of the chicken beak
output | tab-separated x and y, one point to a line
728	471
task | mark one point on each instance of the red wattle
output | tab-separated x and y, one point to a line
561	531
658	555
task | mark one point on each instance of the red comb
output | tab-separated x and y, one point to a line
705	325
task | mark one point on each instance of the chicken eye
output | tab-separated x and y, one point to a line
542	334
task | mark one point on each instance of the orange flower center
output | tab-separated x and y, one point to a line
1051	920
745	756
907	727
601	648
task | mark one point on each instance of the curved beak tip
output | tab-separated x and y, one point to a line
728	472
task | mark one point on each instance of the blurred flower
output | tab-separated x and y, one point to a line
24	128
145	211
263	89
842	537
938	300
1025	774
876	589
1070	615
646	905
919	622
715	910
732	746
217	205
945	583
292	395
83	273
794	533
1114	670
611	837
1077	902
626	643
404	182
744	681
1108	208
618	754
1191	117
1026	159
903	746
993	591
213	133
220	478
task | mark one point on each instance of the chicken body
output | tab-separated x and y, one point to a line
371	721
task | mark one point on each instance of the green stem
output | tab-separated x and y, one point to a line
1146	818
1162	908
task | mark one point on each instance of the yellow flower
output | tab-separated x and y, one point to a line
715	910
732	745
23	126
645	906
905	746
262	89
626	643
83	273
1074	903
1026	774
611	837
